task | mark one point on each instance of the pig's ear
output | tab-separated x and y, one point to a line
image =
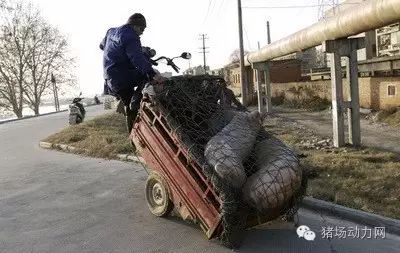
254	117
221	169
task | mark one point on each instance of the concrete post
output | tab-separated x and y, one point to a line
268	90
337	49
263	67
260	95
354	111
337	100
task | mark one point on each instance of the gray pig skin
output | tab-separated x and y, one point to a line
277	178
227	150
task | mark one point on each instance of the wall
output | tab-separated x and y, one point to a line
373	91
285	71
280	71
386	101
234	82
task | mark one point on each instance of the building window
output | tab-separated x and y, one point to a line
391	90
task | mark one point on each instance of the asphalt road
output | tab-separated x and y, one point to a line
56	202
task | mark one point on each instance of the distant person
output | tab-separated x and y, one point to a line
126	68
227	98
224	96
96	100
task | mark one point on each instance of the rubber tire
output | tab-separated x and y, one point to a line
79	120
159	207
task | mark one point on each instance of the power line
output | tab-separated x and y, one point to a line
247	38
213	7
290	6
208	11
220	6
281	7
324	5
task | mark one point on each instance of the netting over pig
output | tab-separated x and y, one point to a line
251	170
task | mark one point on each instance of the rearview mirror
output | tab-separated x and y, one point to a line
186	55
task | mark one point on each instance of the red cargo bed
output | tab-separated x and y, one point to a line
192	194
178	181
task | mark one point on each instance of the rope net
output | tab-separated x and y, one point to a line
254	172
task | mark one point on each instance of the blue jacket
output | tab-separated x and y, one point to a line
125	65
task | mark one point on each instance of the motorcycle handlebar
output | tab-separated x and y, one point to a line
169	62
172	64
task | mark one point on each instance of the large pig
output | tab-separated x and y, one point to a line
277	178
227	150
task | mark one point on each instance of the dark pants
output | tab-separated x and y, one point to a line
131	100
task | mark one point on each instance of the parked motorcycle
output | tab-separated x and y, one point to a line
76	111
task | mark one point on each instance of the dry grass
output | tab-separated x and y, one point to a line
365	178
301	98
104	136
391	117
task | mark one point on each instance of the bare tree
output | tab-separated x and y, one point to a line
47	54
235	55
3	4
320	58
31	49
13	53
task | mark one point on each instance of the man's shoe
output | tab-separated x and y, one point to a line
121	108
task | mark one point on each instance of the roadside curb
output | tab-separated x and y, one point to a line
391	225
64	147
31	116
126	157
69	148
43	114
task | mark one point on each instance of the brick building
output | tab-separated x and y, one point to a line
281	71
375	92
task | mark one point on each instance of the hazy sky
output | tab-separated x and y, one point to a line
173	26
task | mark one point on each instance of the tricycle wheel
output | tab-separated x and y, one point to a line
157	195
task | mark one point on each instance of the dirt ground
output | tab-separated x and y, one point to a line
377	135
365	178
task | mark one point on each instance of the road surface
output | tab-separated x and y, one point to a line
56	202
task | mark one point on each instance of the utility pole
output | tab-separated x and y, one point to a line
268	34
55	92
243	79
204	38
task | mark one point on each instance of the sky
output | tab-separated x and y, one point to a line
173	26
